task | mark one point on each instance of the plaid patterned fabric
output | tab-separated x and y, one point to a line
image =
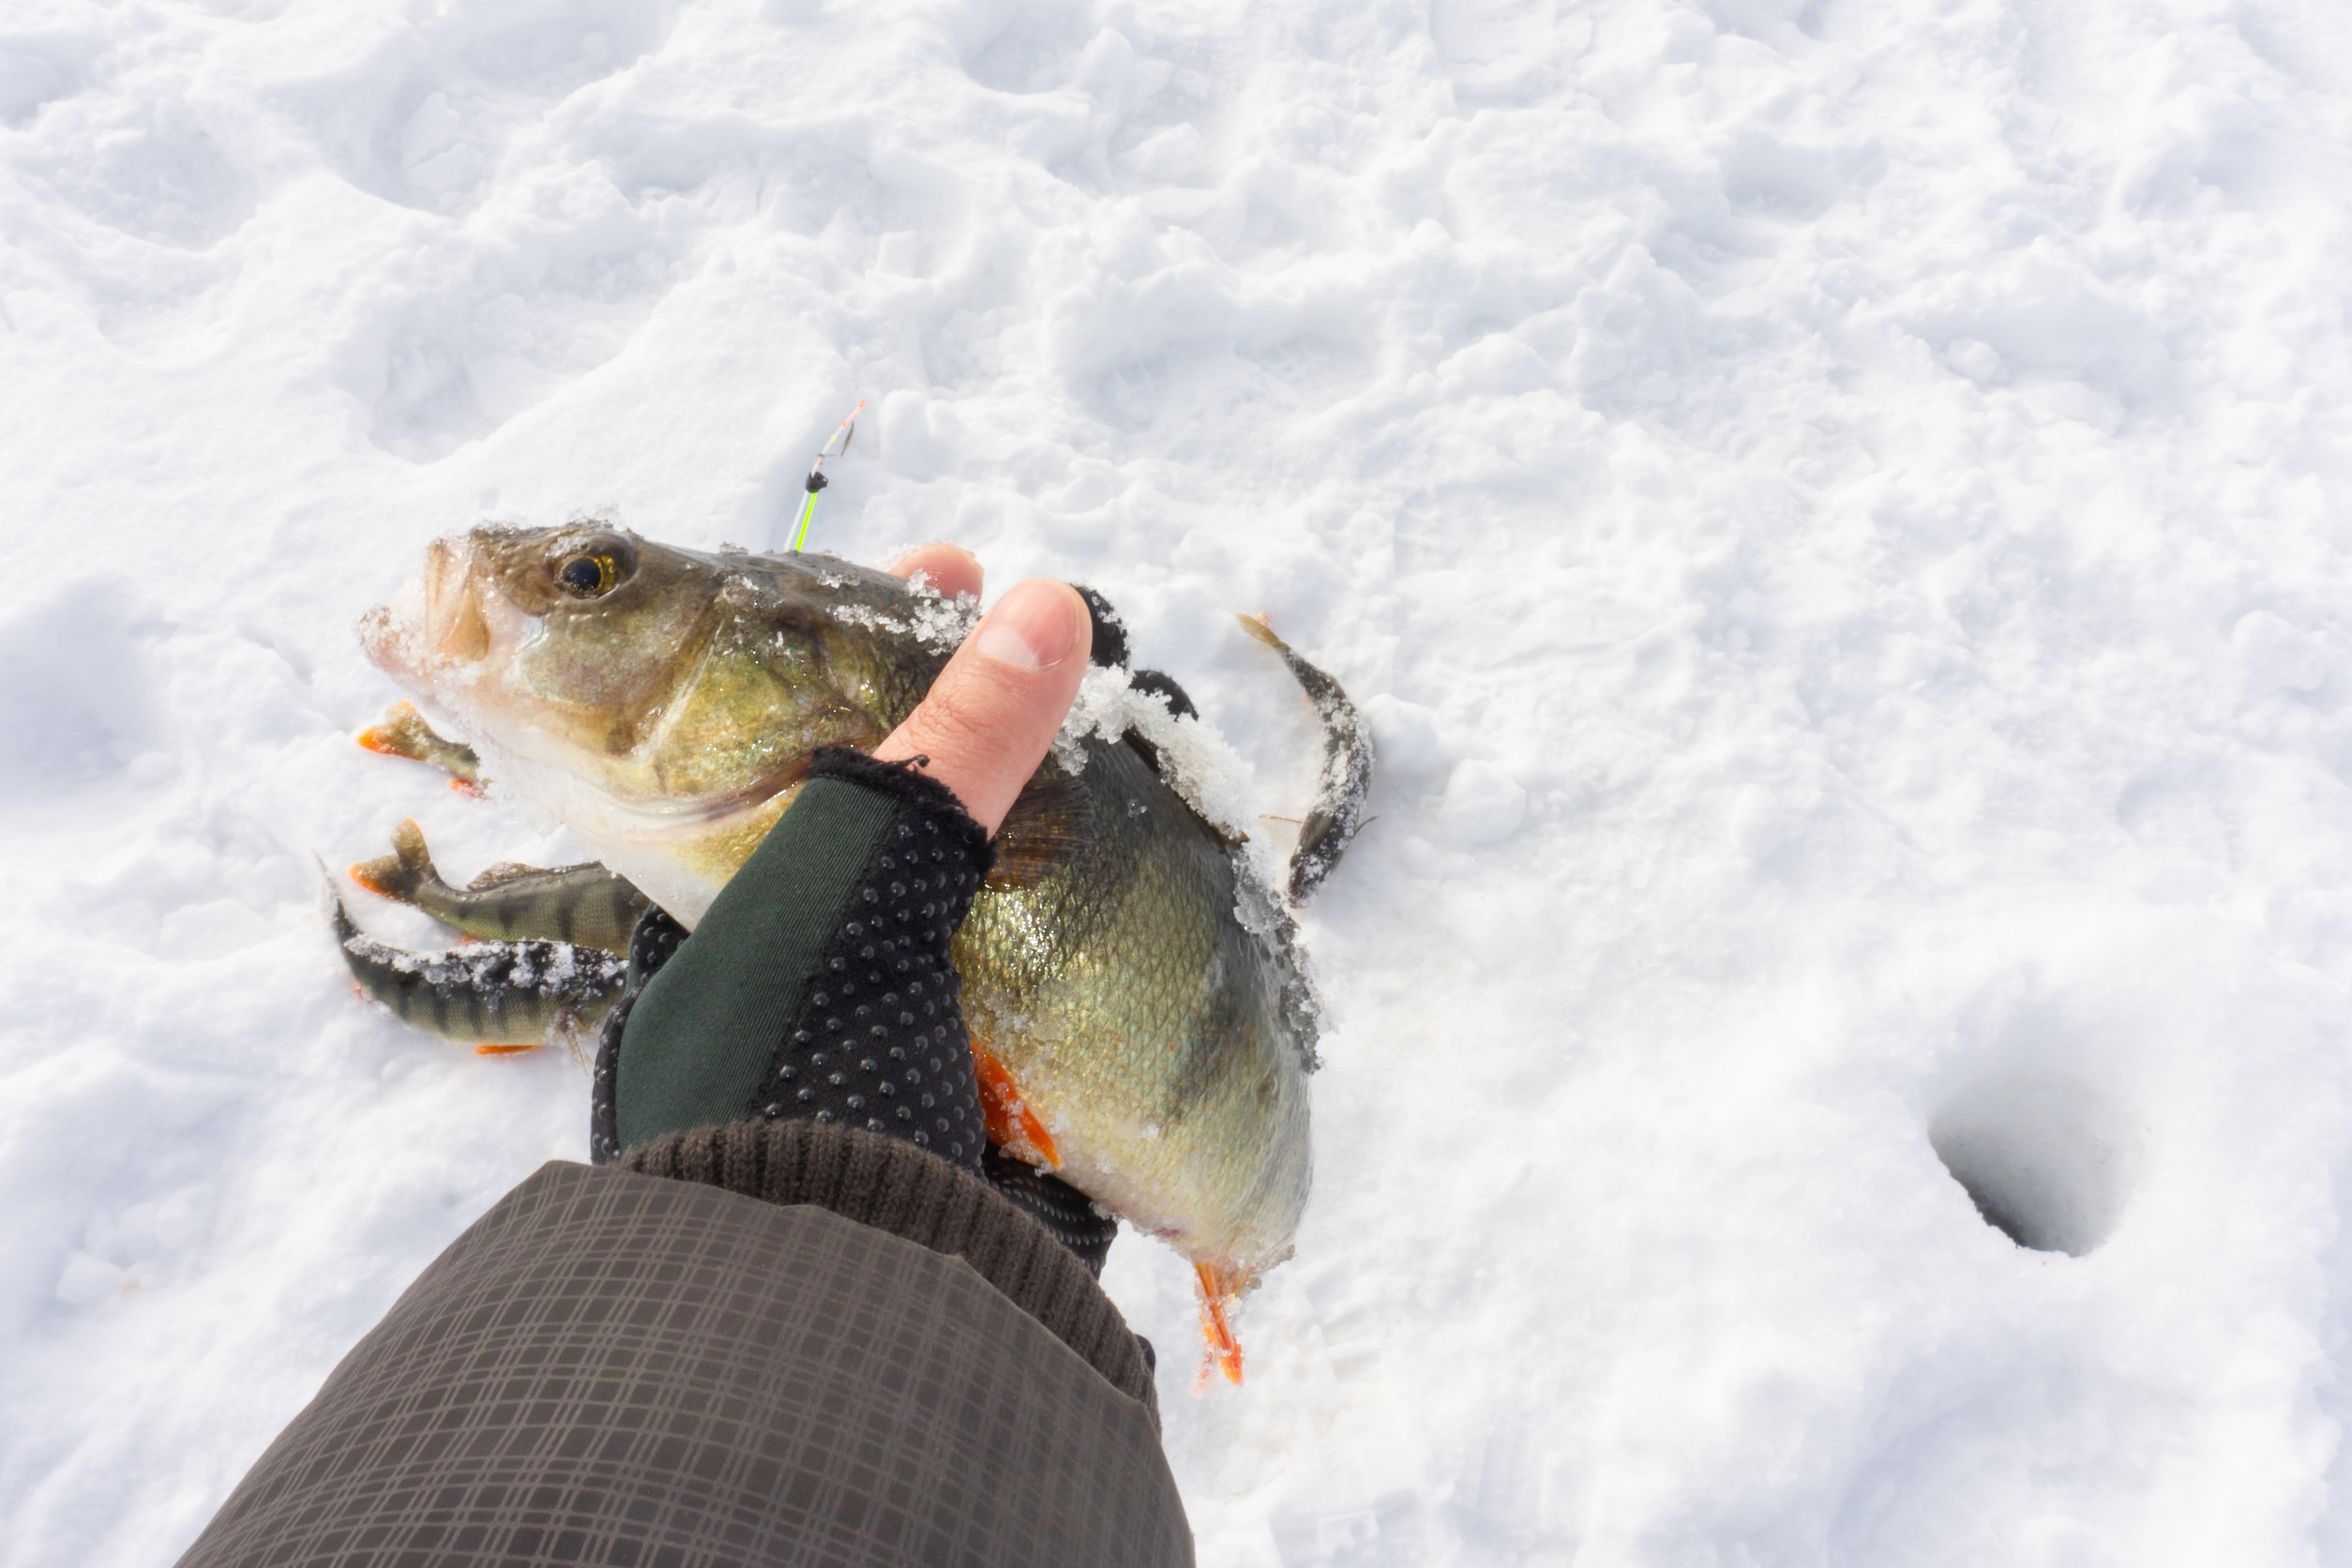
611	1368
892	1185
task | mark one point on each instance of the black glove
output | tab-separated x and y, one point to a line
819	987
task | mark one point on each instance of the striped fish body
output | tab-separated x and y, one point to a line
515	994
583	904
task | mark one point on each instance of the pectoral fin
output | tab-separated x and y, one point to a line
1046	825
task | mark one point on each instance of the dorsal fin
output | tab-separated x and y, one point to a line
1337	811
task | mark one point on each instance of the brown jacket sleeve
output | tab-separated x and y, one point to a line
616	1367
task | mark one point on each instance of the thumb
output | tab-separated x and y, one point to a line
993	711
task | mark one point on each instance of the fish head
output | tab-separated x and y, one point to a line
633	687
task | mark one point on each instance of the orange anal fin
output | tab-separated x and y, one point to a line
1222	1350
1012	1125
467	787
502	1051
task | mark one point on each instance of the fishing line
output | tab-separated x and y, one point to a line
835	445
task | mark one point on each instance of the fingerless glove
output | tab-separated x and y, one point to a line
819	988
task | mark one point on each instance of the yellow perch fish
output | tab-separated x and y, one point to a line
1141	1024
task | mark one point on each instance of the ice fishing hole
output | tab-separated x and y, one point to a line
2045	1158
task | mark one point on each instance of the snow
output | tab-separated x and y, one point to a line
1482	804
1837	514
1202	766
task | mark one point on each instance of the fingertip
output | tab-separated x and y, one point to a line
949	569
1036	625
994	710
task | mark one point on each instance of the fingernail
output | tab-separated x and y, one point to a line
1033	627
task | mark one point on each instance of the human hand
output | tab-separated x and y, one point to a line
865	878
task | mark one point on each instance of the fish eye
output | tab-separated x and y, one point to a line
587	576
592	572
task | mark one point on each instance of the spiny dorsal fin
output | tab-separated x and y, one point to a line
1045	827
1347	774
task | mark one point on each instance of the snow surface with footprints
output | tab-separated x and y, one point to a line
1836	513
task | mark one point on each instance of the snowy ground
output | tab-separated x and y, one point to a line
1838	512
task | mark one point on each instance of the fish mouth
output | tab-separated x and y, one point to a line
451	636
438	625
455	632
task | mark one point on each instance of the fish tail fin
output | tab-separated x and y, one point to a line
404	733
404	872
401	734
1221	1351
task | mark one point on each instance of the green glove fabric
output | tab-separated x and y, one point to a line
819	984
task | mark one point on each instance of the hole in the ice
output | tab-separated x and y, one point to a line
2044	1157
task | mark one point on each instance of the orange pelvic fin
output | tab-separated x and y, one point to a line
502	1051
1012	1125
1222	1351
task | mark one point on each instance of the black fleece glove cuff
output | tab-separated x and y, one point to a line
818	986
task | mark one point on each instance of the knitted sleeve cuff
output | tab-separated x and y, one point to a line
894	1187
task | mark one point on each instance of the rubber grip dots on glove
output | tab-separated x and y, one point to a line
878	1040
